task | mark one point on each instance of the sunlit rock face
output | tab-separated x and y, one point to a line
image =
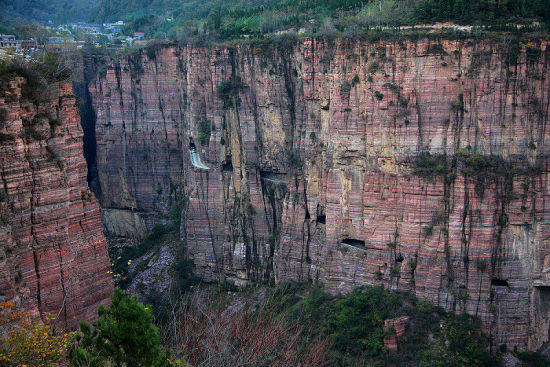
53	254
319	172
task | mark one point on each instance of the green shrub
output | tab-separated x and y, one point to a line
466	339
158	235
151	53
228	91
427	231
355	323
204	130
430	165
294	160
184	273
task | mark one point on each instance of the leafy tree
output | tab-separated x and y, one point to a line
124	335
30	344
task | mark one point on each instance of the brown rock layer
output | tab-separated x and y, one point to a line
399	326
314	153
53	254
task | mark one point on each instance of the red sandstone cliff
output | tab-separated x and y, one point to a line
317	171
53	254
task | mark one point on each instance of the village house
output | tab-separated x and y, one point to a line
9	41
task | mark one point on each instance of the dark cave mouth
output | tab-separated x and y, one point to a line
354	243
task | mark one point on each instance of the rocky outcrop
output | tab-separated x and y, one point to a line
395	330
53	254
420	165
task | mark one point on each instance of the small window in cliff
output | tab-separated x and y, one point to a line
228	166
354	242
322	219
499	282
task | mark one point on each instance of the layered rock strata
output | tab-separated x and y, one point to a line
53	254
420	165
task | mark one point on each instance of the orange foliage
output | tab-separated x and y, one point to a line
23	343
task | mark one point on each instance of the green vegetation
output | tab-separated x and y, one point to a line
161	235
198	21
124	335
43	11
228	91
300	321
40	76
355	326
482	169
430	165
355	323
481	11
204	130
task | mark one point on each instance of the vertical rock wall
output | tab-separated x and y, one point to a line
53	254
319	166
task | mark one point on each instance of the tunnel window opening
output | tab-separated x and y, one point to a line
227	166
354	242
322	219
499	282
274	177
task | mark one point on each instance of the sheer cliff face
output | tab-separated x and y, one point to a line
53	254
318	168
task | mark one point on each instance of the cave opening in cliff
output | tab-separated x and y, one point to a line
499	282
227	166
354	242
322	219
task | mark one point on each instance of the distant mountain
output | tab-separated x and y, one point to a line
45	11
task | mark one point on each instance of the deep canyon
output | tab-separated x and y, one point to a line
319	171
421	165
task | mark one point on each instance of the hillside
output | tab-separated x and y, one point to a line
215	20
44	11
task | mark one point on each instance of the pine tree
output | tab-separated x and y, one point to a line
124	335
